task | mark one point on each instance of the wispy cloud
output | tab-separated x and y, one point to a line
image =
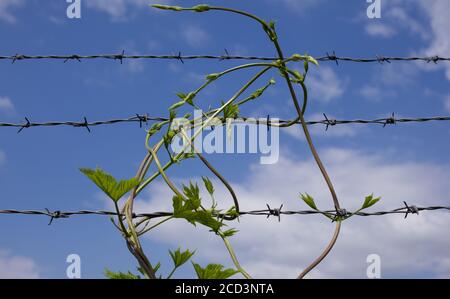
17	267
6	105
5	10
447	102
195	36
387	80
325	84
299	6
437	11
426	20
119	9
380	29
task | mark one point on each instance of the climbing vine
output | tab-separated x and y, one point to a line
186	201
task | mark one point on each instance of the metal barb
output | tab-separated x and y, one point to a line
180	58
333	57
55	215
120	56
410	209
274	212
329	122
390	120
26	125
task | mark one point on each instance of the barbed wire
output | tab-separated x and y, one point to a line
122	56
276	212
143	119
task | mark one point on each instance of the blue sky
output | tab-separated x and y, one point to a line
39	167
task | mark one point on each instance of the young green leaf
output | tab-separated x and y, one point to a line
167	7
188	98
120	275
298	77
213	271
108	184
308	200
155	128
230	111
188	210
208	185
232	212
176	105
179	258
229	233
192	192
312	60
369	201
205	218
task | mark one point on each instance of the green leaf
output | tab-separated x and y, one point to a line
232	212
229	233
179	258
120	275
155	128
213	271
188	98
312	60
208	185
309	201
108	184
230	111
157	266
205	218
297	75
167	7
188	210
370	201
192	193
272	25
176	105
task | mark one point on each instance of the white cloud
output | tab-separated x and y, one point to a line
447	103
376	92
299	6
6	105
194	35
417	246
387	80
380	29
427	20
437	11
404	20
325	84
18	267
118	9
5	13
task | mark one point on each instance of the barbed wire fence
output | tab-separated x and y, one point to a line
122	56
276	212
144	119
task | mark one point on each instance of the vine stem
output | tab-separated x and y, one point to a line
234	258
324	253
270	31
